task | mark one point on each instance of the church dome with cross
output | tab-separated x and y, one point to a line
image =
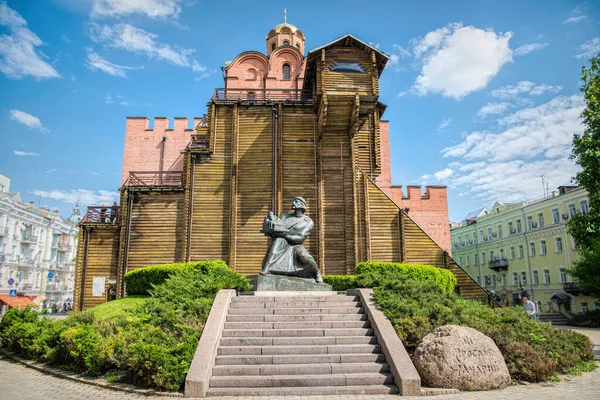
285	34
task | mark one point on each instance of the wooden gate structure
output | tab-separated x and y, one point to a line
254	152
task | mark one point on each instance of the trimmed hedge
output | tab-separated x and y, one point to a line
341	283
150	344
140	281
372	274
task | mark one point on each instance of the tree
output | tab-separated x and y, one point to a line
585	228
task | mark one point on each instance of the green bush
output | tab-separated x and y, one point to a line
141	280
150	343
588	319
373	274
341	283
533	351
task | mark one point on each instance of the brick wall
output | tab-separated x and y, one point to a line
143	145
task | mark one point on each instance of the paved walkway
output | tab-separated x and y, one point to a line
23	383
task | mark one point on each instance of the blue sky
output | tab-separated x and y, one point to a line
482	96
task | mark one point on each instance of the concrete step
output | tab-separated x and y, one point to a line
295	311
297	325
299	369
294	304
305	391
301	380
312	349
296	318
297	332
285	299
298	359
296	341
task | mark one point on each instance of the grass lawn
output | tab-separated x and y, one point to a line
115	308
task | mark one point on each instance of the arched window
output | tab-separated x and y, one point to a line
286	42
286	72
298	46
273	47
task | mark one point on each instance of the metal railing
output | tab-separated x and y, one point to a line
266	95
154	178
200	142
498	264
102	214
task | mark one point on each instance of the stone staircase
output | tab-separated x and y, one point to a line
555	318
309	344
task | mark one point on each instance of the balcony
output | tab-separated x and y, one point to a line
101	214
262	95
574	289
499	264
199	142
28	238
153	178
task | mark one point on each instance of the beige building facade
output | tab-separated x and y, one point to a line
526	245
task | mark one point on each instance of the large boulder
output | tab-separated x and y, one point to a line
462	358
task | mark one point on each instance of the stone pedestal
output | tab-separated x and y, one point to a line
274	283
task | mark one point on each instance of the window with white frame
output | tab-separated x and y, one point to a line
491	255
535	278
483	259
489	231
543	249
529	222
519	227
546	276
487	280
523	278
584	306
515	277
501	254
494	279
572	209
558	244
503	279
512	252
520	251
460	261
584	206
531	249
510	228
476	256
499	230
540	220
481	235
468	260
562	273
555	216
478	279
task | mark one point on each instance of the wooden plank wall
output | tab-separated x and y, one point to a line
211	197
337	182
254	186
298	165
395	240
100	261
351	83
157	233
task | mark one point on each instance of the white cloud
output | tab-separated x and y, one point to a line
523	87
136	40
83	196
506	164
572	20
95	62
27	120
443	174
590	49
151	8
546	130
24	153
492	109
528	48
18	57
458	60
444	124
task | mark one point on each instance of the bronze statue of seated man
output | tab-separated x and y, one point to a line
287	255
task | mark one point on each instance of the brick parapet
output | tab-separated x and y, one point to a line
143	145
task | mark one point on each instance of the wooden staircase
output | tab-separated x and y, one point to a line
305	344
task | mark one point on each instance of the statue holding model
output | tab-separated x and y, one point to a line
287	255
